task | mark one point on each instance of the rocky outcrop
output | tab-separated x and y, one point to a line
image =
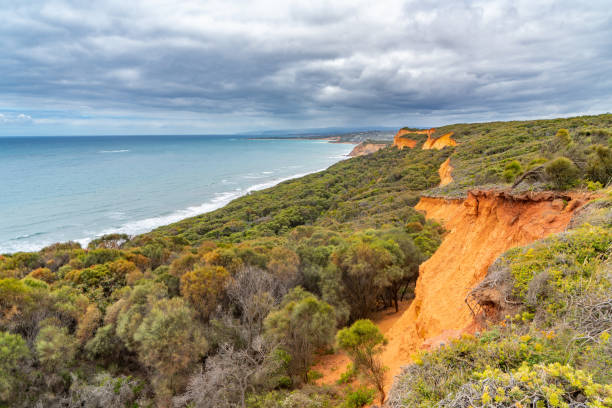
445	172
480	228
439	143
364	148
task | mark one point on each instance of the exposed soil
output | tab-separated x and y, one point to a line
445	173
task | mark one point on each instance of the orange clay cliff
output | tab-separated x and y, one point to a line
479	229
439	143
445	173
402	142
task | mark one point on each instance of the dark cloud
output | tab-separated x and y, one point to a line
219	66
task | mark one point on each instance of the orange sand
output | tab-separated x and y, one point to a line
333	365
445	173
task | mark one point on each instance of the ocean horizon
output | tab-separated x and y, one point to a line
72	188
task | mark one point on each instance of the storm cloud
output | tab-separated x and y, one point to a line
229	66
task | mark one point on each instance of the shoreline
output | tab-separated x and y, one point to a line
146	225
330	139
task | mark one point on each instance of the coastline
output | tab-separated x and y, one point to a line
330	139
148	224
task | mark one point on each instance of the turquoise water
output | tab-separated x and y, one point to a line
54	189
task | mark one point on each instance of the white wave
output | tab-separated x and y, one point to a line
221	199
114	151
148	224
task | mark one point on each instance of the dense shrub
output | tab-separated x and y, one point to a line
562	173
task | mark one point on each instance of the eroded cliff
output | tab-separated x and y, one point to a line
480	228
446	173
364	148
440	142
401	141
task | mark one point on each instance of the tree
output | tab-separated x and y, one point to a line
14	353
55	348
88	324
169	341
404	269
203	287
363	341
284	265
360	266
562	172
184	263
226	377
256	293
302	325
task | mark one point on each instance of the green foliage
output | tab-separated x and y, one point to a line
349	375
55	348
569	262
203	287
313	375
599	164
169	342
511	170
302	325
360	397
562	172
563	138
13	356
363	341
550	385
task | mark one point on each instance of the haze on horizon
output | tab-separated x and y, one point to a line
159	67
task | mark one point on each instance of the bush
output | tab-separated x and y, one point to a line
13	355
562	172
363	341
550	385
302	325
361	397
512	170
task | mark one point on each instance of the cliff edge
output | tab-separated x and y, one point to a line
480	228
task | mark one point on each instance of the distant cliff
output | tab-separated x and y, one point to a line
406	137
364	148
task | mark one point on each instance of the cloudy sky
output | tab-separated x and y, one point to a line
153	66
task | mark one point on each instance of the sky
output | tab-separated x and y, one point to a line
213	67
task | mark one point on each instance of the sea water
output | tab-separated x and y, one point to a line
55	189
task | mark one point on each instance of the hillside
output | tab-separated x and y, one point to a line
498	233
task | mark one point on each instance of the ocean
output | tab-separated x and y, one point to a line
56	189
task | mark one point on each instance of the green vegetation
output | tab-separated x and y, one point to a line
230	308
363	341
